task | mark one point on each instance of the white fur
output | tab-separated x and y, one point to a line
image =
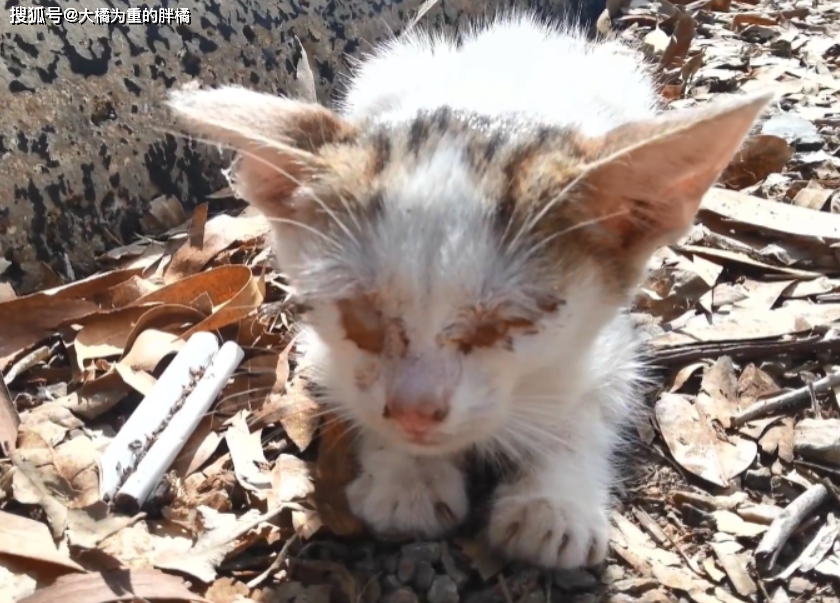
517	64
559	396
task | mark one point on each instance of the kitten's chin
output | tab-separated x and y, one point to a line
431	445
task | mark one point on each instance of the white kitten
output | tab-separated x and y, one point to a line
466	233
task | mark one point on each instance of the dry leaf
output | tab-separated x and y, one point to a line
696	446
757	158
114	585
24	537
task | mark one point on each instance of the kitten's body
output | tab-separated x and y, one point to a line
571	397
467	234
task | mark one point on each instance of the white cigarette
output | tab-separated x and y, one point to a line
119	458
171	440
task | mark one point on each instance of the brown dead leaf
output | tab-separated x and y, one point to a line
97	396
206	240
334	470
696	446
125	292
69	471
106	334
9	420
245	301
200	446
302	424
26	320
149	348
226	590
719	391
171	318
24	537
114	585
249	463
291	480
758	157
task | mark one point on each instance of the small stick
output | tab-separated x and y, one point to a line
275	565
26	363
776	403
784	525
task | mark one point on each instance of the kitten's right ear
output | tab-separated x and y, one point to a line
278	139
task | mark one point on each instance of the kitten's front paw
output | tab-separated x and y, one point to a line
409	497
550	533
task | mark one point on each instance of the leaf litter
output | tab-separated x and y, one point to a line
734	497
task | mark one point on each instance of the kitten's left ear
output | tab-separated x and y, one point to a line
651	176
278	139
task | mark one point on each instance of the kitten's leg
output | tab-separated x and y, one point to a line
556	513
406	495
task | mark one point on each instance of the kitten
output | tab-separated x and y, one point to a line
466	232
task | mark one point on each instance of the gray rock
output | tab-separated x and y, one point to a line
406	569
818	440
82	151
443	590
451	567
758	479
797	131
573	580
424	576
422	551
488	595
390	564
391	583
401	595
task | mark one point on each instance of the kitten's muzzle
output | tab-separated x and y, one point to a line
417	418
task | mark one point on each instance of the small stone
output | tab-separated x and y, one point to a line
401	595
443	590
488	595
758	479
391	583
422	551
367	560
795	130
536	596
424	576
447	559
573	580
406	568
390	564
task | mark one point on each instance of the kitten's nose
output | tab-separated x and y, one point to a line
416	417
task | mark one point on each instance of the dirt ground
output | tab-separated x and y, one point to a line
731	494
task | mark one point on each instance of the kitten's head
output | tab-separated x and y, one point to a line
452	260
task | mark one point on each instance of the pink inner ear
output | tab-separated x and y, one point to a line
655	173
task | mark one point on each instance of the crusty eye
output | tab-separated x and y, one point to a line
362	323
489	331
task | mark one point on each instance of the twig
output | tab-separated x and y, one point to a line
776	403
26	363
783	526
275	565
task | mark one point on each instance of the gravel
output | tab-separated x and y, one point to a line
422	551
401	595
424	576
443	590
406	569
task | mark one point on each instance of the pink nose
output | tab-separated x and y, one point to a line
416	419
